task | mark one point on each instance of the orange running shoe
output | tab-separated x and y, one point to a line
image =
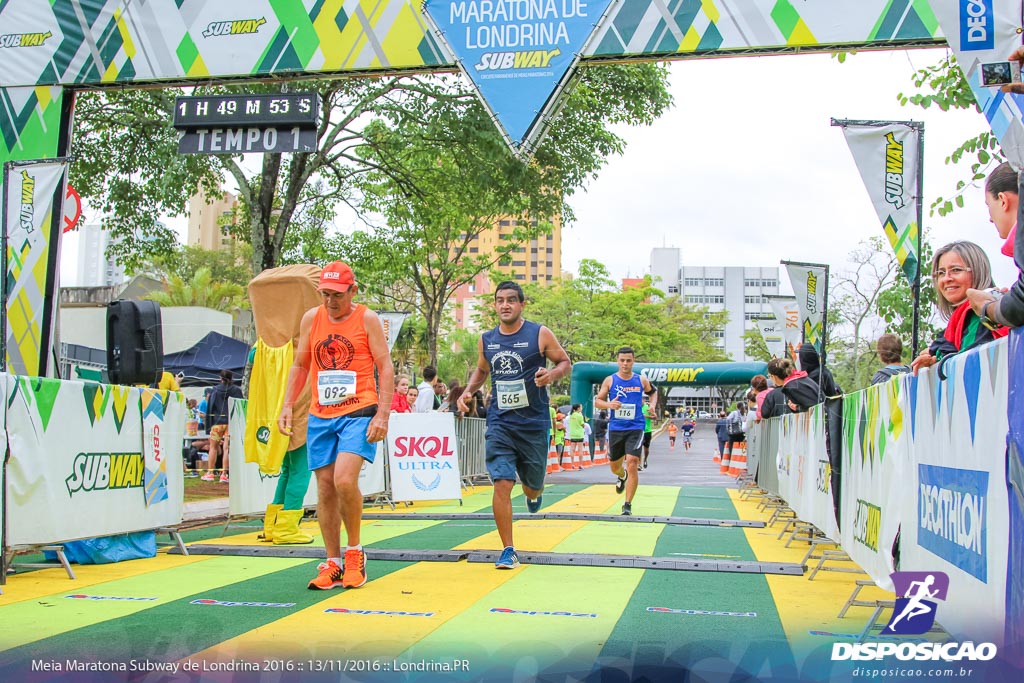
355	569
328	578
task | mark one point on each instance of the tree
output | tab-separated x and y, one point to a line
754	345
232	266
946	87
127	161
201	290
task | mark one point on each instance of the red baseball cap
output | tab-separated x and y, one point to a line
337	276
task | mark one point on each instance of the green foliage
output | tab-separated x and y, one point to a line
946	87
592	319
457	356
754	346
201	290
232	266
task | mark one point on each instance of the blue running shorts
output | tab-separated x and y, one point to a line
326	437
512	450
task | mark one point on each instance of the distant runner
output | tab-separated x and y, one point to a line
623	394
672	429
688	427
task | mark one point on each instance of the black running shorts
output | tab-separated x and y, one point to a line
628	442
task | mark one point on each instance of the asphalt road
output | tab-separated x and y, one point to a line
666	466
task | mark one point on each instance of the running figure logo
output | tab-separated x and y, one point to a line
914	612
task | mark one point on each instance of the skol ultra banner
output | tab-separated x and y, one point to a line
77	464
423	457
33	192
809	282
876	463
887	158
980	32
787	318
957	521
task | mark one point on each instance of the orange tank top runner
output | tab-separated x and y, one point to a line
342	371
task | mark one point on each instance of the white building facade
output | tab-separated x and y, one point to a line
95	268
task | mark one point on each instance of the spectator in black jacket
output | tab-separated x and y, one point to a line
810	362
801	391
217	422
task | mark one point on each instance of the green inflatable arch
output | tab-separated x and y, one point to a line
587	374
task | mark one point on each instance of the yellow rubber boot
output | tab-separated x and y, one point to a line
269	520
286	529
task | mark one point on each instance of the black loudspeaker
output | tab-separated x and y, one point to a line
135	345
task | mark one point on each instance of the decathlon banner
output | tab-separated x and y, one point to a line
251	490
423	457
33	196
887	157
979	32
787	319
518	55
76	467
958	521
810	492
809	283
876	468
163	428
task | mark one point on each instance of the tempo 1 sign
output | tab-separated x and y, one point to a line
245	140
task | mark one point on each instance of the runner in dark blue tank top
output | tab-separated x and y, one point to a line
515	355
623	394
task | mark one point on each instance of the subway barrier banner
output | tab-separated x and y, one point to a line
957	519
252	490
808	280
887	158
3	449
424	458
810	473
876	463
787	315
33	192
76	466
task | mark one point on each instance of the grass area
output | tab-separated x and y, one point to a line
197	489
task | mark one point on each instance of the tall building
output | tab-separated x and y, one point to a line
737	289
206	222
740	290
95	268
539	260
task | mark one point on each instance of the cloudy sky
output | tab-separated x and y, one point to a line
747	170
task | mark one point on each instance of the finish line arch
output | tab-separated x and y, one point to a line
53	49
586	375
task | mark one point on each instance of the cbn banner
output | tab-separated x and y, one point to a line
787	318
887	158
32	193
76	467
424	458
163	420
251	490
809	480
808	280
957	521
876	463
771	333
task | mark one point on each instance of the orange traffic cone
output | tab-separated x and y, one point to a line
553	465
718	456
601	456
724	469
738	463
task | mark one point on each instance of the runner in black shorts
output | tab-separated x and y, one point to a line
623	394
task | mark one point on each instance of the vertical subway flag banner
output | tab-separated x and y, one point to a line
887	158
808	280
787	318
519	55
33	192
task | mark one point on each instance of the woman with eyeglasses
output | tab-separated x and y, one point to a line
957	267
